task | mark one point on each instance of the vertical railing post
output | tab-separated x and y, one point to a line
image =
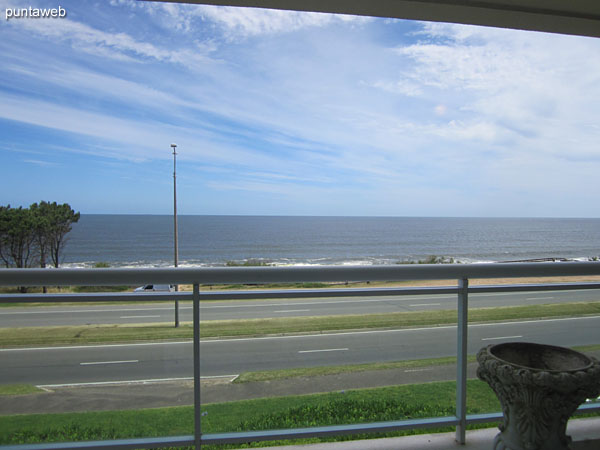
461	363
197	403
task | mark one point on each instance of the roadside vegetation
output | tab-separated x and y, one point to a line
36	235
431	259
19	389
344	407
271	375
249	263
88	334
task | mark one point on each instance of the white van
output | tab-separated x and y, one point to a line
155	288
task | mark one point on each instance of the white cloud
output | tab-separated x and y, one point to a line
402	87
244	22
237	22
119	46
40	163
292	104
252	21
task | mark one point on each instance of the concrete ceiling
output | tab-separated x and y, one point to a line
577	17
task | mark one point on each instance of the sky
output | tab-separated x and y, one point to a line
288	113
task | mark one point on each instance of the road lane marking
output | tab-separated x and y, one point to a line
96	363
501	337
292	310
325	350
136	317
148	381
80	347
426	304
417	370
87	311
539	298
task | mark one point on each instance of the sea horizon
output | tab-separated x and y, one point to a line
146	240
339	216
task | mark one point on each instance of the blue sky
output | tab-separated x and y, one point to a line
285	113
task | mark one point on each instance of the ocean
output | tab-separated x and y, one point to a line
204	241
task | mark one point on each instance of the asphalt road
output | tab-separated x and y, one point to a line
246	309
109	363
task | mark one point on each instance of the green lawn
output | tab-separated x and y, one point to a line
356	406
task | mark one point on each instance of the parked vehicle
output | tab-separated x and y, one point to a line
155	288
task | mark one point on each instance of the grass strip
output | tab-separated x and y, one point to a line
88	334
294	325
19	389
355	406
270	375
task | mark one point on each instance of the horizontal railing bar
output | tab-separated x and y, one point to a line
534	287
223	295
244	436
588	407
473	419
154	442
259	275
284	293
297	433
317	293
98	297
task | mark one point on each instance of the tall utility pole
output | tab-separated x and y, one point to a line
174	146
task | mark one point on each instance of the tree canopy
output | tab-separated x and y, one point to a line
31	236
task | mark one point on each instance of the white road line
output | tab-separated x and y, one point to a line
417	370
426	304
148	381
96	363
291	310
501	337
539	298
325	350
136	317
79	347
12	313
492	294
563	319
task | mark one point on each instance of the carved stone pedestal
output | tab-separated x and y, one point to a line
539	388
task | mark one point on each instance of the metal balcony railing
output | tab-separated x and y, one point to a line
259	275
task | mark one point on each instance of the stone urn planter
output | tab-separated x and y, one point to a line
539	388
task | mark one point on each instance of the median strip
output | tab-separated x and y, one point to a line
286	326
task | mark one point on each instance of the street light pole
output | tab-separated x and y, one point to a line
176	256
